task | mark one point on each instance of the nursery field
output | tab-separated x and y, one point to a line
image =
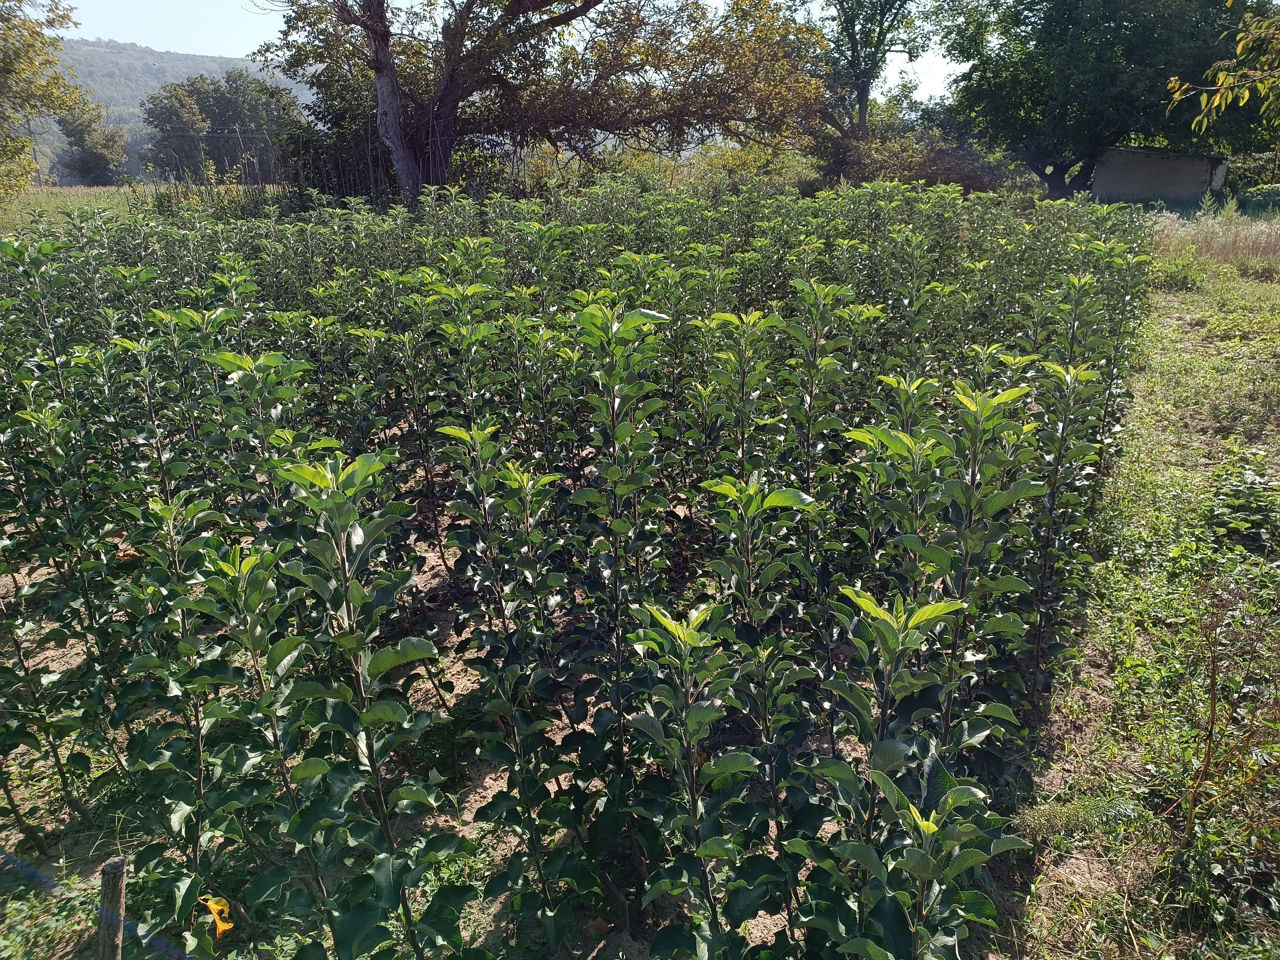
628	573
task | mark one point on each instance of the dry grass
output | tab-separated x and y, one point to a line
1251	244
52	203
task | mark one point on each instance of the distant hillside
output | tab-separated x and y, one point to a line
122	74
119	76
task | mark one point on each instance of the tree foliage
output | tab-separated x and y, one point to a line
233	123
1058	84
178	130
863	33
32	82
574	75
95	151
1253	71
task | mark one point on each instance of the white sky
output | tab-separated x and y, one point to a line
931	72
216	28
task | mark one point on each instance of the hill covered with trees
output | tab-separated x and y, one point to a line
121	75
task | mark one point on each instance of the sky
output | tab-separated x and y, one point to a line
216	28
931	71
234	28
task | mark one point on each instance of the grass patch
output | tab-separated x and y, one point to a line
1251	244
1159	831
39	924
37	204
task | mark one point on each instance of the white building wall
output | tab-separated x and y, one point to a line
1139	175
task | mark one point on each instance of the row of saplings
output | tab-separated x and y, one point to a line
789	741
750	622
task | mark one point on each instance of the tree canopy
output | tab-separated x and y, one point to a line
863	33
573	73
1058	84
1252	74
95	154
230	123
32	82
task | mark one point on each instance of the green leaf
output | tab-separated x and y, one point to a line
722	488
145	664
717	848
358	471
919	864
865	856
700	717
962	861
977	907
311	767
735	761
1009	395
652	728
889	755
787	498
998	711
409	650
867	604
668	623
359	930
837	771
862	947
384	713
186	892
179	814
282	651
307	476
411	793
933	612
673	942
1005	844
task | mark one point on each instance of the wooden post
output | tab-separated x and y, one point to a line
111	916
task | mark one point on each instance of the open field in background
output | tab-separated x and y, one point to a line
52	203
36	207
1154	824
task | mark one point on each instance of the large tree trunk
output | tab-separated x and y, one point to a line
1082	179
440	134
439	154
421	141
1056	182
392	129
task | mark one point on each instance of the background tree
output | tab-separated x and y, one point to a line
234	122
668	77
863	33
32	82
569	73
1058	84
909	141
177	133
94	155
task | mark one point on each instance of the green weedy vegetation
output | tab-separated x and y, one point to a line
738	539
1158	834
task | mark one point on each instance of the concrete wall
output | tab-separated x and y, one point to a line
1138	175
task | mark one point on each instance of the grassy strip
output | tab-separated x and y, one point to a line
1159	834
52	203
